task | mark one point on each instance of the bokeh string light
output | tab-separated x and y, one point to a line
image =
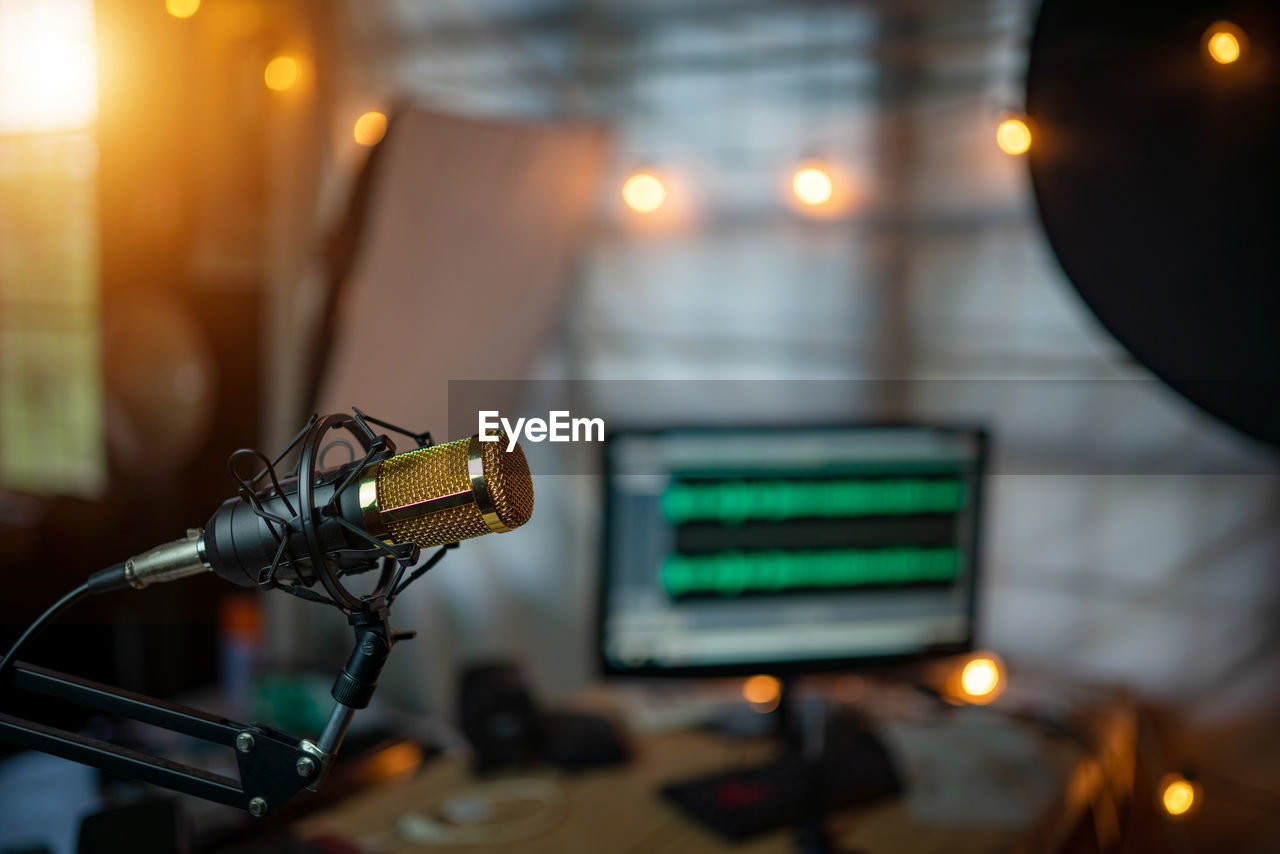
1224	42
281	73
182	8
644	192
370	128
1224	48
1179	797
980	679
763	692
1013	136
812	185
977	679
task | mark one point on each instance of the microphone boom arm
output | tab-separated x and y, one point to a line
273	766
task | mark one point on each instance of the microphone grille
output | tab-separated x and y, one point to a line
510	485
412	481
408	479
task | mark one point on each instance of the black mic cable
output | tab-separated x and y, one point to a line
112	578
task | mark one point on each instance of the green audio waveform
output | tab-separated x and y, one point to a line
734	573
736	501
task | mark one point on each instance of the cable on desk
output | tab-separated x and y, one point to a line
420	828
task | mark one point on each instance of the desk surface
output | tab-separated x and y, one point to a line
620	809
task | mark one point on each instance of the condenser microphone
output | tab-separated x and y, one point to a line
309	528
428	497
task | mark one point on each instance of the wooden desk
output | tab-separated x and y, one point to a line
620	809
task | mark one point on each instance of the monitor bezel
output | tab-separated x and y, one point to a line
792	666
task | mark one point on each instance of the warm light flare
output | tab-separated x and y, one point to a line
644	192
182	8
1224	42
1013	136
980	677
370	128
281	73
48	66
812	185
763	692
1224	47
395	760
1178	795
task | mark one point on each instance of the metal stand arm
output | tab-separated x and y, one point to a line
273	766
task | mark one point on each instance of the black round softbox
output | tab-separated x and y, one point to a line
1157	176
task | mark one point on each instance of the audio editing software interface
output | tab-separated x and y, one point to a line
742	548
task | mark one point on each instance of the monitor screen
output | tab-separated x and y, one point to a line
787	549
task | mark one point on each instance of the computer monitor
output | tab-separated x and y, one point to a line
788	549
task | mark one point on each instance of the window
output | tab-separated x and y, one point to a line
51	423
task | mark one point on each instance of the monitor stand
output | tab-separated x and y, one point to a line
829	760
